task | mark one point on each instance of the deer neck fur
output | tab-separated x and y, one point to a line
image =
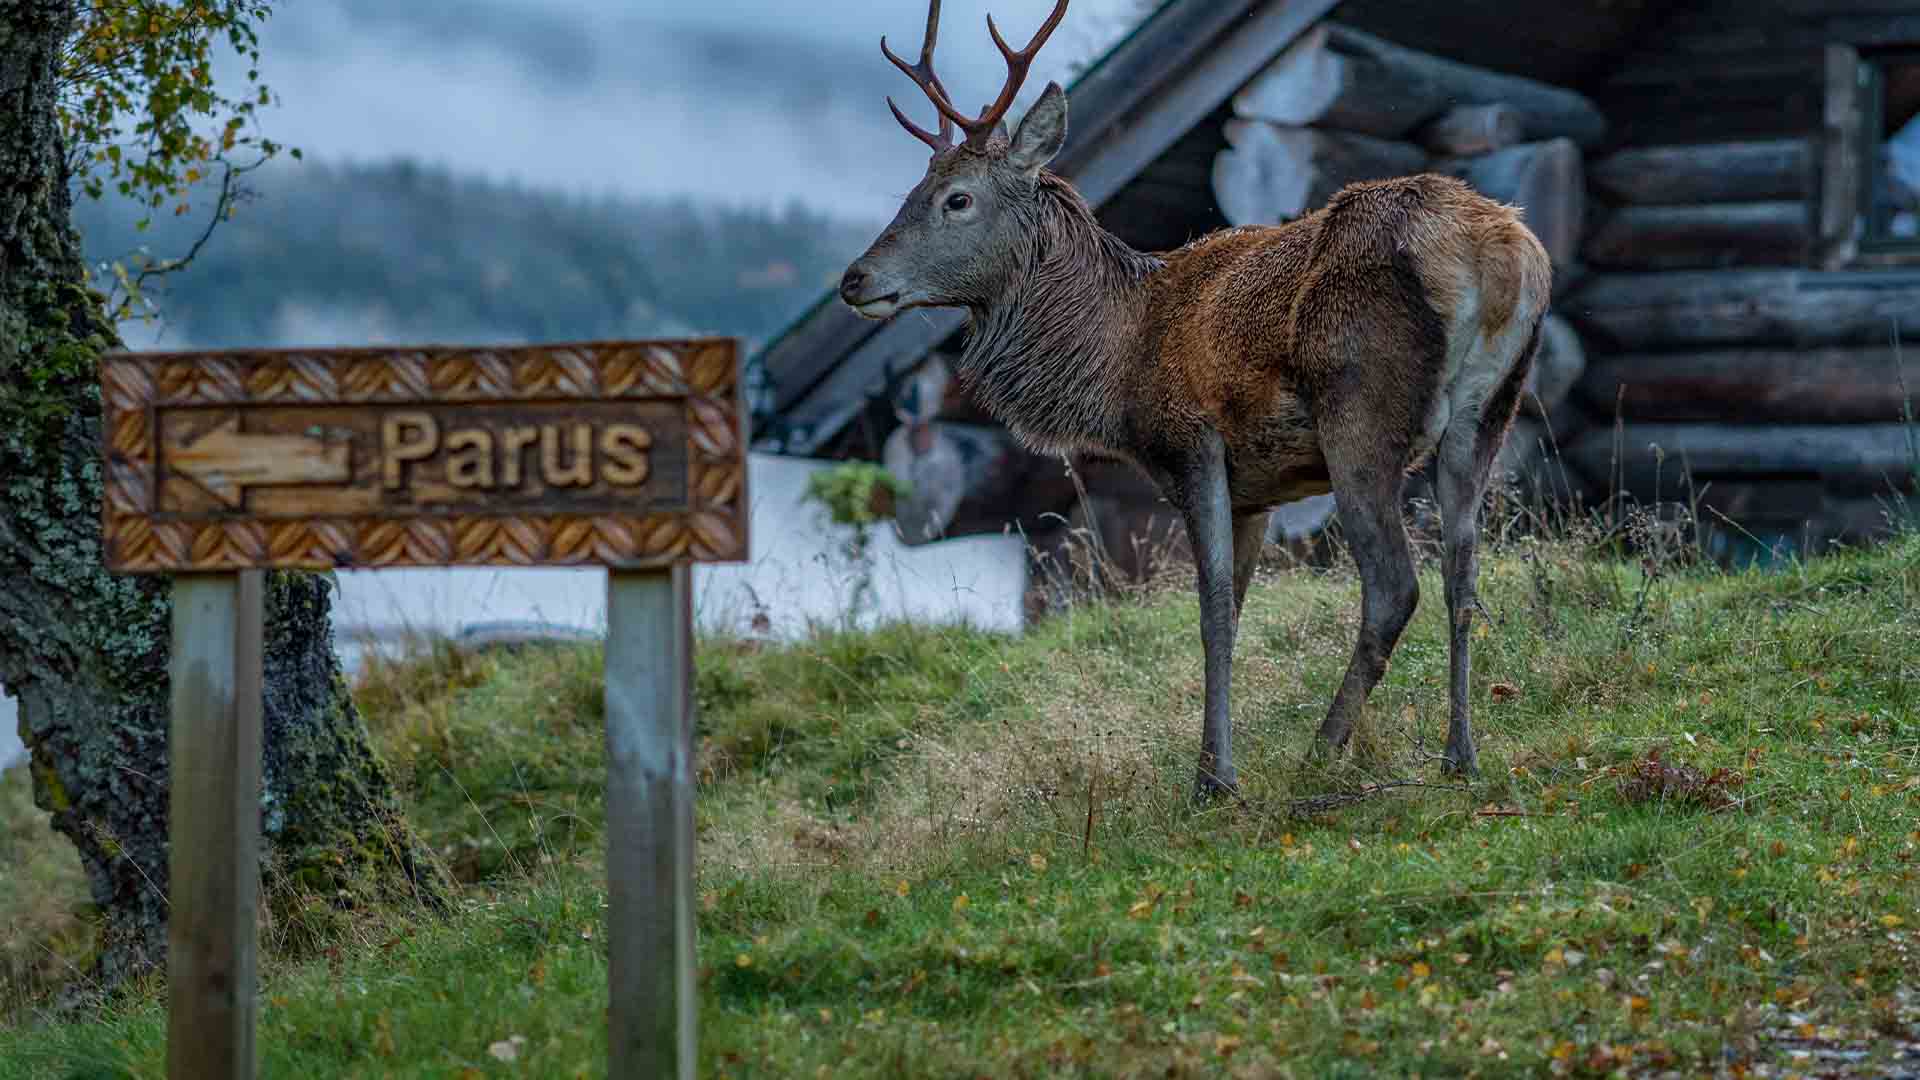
1050	354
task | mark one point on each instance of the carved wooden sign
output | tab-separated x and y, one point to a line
625	454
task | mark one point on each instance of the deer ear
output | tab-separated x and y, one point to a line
1041	131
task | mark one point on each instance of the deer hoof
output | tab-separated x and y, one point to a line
1210	788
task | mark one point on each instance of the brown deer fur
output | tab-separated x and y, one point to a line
1254	366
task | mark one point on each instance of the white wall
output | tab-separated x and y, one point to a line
795	577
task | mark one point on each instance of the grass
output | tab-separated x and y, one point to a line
45	938
943	853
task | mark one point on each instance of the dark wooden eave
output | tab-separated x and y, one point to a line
1177	67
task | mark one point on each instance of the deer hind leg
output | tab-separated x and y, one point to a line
1367	490
1387	365
1462	468
1249	537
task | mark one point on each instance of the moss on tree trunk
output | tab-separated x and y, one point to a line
85	652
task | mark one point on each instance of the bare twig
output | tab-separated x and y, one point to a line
1320	804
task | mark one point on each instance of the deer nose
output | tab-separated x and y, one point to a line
852	284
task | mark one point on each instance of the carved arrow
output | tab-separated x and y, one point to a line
224	460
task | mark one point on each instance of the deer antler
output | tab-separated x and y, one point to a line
980	129
1017	64
923	77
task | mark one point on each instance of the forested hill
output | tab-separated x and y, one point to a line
343	255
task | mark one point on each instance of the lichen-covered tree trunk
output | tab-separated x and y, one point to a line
85	652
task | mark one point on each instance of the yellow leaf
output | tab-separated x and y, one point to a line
961	903
1038	862
743	961
902	889
1421	970
1891	921
1555	956
1225	1044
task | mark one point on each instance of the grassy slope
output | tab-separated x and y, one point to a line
900	874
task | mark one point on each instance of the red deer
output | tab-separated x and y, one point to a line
1254	366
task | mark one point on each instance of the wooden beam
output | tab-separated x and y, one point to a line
650	920
1711	35
1142	98
1692	309
1473	129
1857	458
1546	179
1339	77
1844	157
213	831
1271	173
1754	171
1819	386
1676	70
1707	235
1698	115
1562	44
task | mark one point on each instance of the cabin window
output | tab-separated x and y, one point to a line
1890	116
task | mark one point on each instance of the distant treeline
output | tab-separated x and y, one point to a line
342	255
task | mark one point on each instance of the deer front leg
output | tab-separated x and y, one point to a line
1201	493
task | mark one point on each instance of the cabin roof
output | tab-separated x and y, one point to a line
1146	120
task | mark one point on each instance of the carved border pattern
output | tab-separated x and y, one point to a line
703	374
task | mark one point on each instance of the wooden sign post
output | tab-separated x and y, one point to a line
628	454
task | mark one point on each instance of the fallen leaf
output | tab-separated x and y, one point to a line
507	1049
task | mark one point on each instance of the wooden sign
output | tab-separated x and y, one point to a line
624	454
620	454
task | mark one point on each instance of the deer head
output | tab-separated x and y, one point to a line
957	238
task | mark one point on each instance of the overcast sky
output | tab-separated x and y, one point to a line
759	101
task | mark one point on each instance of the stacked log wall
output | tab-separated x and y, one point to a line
1723	357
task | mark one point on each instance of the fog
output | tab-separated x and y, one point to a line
741	101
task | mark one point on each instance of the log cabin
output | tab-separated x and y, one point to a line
1729	190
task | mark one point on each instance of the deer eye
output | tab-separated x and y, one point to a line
959	200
